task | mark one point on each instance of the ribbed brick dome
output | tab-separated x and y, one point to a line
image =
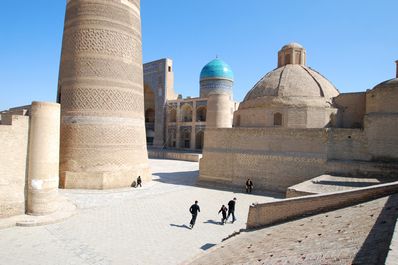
293	80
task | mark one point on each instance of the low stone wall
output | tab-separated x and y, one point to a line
275	212
162	154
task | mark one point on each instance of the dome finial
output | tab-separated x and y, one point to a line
292	53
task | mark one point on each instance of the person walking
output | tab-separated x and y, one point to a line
249	185
231	209
223	210
139	181
194	209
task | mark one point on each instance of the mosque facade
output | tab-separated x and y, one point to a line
174	122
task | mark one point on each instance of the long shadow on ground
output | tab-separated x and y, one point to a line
180	226
189	178
376	246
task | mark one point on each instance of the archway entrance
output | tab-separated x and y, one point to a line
185	139
201	114
186	113
200	140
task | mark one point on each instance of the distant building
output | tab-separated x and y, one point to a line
174	122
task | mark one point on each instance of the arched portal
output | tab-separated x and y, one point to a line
185	138
186	113
201	113
200	140
149	107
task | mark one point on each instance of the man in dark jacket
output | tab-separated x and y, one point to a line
194	211
249	185
231	209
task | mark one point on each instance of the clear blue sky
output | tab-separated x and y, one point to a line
354	43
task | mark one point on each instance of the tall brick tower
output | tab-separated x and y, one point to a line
101	94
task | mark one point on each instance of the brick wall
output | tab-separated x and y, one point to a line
347	144
351	109
13	159
287	209
382	132
275	158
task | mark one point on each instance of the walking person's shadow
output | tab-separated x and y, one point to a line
180	226
212	222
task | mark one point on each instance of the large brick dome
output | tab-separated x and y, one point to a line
292	95
295	81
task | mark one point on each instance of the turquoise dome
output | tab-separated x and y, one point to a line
217	69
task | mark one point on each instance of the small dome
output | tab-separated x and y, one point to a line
292	45
217	69
293	81
392	83
383	97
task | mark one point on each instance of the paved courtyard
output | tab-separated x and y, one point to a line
358	235
147	225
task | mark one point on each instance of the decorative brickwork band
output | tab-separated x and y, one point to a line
101	94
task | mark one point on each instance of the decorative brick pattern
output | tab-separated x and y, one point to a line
106	136
101	99
100	41
89	67
114	13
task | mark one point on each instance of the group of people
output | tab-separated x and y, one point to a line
226	212
137	183
195	209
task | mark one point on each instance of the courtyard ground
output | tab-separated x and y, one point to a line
147	225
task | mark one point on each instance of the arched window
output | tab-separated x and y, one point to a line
201	114
186	113
277	119
149	115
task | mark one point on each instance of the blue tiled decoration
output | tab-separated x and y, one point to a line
217	68
215	86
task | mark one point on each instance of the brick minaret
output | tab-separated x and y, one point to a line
103	142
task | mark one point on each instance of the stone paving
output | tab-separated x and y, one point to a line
146	225
355	235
